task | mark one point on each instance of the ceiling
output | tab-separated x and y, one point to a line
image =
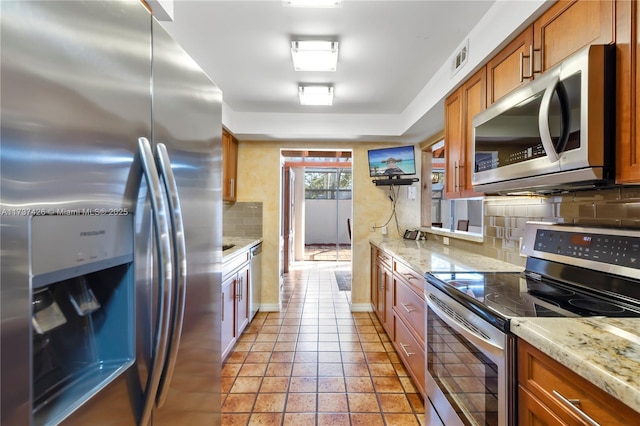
391	52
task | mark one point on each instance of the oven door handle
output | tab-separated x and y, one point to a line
481	342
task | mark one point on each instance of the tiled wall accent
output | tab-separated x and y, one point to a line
242	220
505	217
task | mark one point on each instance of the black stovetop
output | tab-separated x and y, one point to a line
499	296
519	295
570	272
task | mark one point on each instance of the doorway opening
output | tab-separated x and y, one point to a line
316	208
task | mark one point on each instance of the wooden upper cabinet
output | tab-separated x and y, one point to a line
627	92
475	101
453	141
229	166
511	67
460	108
569	26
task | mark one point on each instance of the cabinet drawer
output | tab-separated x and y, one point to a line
411	351
410	307
409	275
231	265
532	412
384	258
550	381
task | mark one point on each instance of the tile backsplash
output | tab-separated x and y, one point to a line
505	217
242	220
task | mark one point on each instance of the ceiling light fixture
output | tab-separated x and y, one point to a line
317	94
314	55
312	3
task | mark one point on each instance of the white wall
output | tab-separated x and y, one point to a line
320	221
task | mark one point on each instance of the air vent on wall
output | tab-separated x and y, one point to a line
460	58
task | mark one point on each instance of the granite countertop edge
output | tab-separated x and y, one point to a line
604	351
240	244
431	256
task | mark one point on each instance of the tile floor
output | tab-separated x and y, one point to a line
316	362
327	252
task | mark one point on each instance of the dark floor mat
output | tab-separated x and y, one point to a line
344	280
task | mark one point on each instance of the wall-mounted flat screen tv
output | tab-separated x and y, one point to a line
390	162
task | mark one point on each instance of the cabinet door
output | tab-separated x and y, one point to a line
380	291
569	26
627	92
229	166
511	68
453	143
242	299
532	412
459	109
556	386
388	302
474	100
374	277
228	309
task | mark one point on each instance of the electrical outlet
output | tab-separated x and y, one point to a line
384	230
411	192
445	241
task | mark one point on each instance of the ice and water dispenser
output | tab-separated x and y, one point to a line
82	286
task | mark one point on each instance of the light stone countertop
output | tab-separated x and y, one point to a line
431	256
240	244
605	351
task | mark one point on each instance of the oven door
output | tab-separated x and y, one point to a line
470	365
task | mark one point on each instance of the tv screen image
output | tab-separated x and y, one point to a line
394	161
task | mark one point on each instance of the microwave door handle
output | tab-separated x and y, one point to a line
543	121
565	109
180	290
165	277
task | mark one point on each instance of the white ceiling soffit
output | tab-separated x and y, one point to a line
393	67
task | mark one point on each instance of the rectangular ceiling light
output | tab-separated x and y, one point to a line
316	94
312	3
314	55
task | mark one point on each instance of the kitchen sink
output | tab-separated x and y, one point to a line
227	246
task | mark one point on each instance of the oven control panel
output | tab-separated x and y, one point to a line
611	249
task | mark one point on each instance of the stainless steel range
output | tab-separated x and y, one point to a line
470	352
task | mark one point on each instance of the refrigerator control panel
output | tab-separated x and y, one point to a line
67	246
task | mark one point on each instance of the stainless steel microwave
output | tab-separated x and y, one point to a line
555	133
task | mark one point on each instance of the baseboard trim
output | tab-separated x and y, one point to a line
361	307
269	307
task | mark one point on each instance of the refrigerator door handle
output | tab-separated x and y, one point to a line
165	277
180	272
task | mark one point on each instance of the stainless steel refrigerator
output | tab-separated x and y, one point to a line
110	226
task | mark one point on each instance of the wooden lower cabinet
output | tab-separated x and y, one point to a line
382	299
398	299
411	352
551	394
228	312
532	412
235	309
